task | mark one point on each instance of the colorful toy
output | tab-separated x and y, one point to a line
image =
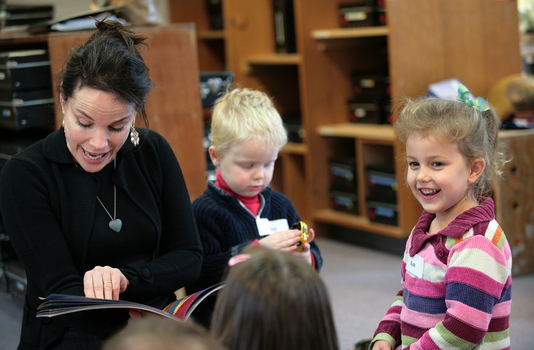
301	225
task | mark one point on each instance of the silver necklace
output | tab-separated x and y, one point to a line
115	224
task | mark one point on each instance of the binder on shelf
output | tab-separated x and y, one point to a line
284	26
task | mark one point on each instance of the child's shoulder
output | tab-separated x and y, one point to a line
492	232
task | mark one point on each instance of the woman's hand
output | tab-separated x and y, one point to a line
104	282
381	345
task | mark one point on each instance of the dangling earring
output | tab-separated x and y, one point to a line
134	136
63	122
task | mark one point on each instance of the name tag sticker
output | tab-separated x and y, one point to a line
267	227
415	266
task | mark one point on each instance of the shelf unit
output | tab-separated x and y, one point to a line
173	109
421	44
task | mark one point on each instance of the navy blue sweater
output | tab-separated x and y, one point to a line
226	227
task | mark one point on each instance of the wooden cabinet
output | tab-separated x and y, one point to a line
424	41
173	107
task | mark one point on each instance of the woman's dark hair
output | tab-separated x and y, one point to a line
274	301
109	61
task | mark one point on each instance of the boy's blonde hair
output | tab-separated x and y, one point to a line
475	132
242	114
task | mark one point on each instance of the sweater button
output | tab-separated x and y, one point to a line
440	253
146	273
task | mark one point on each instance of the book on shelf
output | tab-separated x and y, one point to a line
179	310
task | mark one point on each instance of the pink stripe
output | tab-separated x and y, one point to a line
425	288
475	279
466	314
420	319
508	282
426	343
392	317
502	309
429	255
480	243
394	310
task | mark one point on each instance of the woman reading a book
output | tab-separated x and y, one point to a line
99	208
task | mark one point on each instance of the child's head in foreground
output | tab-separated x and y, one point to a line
159	333
273	300
247	133
441	134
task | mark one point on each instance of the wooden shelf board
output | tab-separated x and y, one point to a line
513	133
331	216
383	132
295	148
211	35
347	33
275	59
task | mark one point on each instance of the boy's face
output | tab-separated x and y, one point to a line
247	168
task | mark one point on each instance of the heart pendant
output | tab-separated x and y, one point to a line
115	225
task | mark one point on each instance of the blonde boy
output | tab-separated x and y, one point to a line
240	208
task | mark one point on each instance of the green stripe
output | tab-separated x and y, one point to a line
492	337
453	339
407	341
500	244
450	242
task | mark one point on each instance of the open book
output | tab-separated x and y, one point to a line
181	309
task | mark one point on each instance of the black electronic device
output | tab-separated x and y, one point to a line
26	109
18	15
384	213
357	14
284	26
344	201
215	14
382	183
24	70
295	131
343	174
213	84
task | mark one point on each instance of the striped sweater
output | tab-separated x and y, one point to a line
457	286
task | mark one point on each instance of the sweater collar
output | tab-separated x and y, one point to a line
484	212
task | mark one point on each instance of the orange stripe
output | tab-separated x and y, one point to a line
458	240
497	236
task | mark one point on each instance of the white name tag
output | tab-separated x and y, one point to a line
415	266
267	227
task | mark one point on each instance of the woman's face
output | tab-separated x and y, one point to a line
96	125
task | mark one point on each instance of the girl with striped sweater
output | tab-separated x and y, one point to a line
456	270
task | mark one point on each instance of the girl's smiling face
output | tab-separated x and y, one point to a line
96	126
440	176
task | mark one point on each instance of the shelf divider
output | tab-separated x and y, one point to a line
382	132
331	216
347	33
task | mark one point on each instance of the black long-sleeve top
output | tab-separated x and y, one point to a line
58	229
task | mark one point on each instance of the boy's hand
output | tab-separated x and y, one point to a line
305	253
282	240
